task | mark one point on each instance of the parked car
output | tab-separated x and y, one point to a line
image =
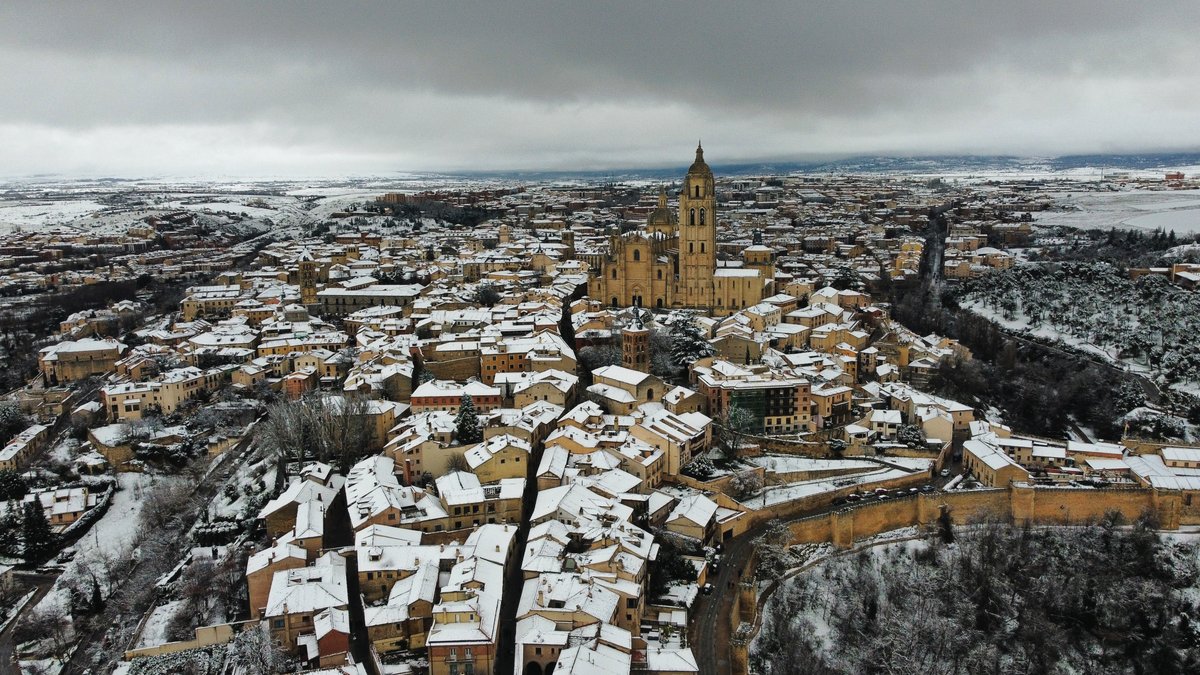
839	500
945	473
913	491
927	488
881	491
883	496
706	589
853	497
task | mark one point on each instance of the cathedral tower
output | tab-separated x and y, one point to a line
697	234
308	279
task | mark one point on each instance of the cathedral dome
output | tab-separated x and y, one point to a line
661	215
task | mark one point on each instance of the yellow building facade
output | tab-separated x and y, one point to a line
672	263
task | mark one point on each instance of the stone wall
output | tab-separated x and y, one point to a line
1140	446
205	636
1019	504
1077	505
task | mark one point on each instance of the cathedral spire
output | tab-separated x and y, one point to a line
699	152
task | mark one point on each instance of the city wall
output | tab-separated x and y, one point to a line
206	636
1142	447
1017	504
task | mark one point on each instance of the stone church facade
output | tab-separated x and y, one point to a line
672	262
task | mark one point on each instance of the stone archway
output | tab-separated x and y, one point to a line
533	668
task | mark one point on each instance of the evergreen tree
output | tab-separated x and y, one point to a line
12	420
36	532
467	423
12	485
688	344
10	530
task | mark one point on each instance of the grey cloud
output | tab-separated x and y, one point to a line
520	84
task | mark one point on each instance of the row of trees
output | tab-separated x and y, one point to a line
1040	389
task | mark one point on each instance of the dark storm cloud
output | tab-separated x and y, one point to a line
313	87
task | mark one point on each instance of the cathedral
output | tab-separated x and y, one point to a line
672	263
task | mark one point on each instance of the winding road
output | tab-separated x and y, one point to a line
711	626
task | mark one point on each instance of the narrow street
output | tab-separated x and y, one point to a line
711	623
514	580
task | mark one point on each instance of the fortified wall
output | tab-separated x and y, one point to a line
1018	504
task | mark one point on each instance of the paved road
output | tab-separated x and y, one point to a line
711	623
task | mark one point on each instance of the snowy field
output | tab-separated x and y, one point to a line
77	204
792	491
39	214
154	631
1177	210
789	463
109	538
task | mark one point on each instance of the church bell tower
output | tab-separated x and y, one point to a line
697	234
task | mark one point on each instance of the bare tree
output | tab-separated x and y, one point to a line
744	484
457	461
319	428
732	428
257	652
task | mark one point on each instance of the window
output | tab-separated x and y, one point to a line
702	247
701	216
692	217
697	190
660	274
637	254
614	275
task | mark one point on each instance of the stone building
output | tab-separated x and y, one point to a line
672	263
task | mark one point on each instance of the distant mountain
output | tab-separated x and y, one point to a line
869	164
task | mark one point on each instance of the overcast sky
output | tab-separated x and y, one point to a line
290	88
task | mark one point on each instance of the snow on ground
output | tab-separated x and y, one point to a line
1177	210
786	493
1022	325
231	207
154	631
111	536
65	451
37	214
790	463
911	463
42	666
